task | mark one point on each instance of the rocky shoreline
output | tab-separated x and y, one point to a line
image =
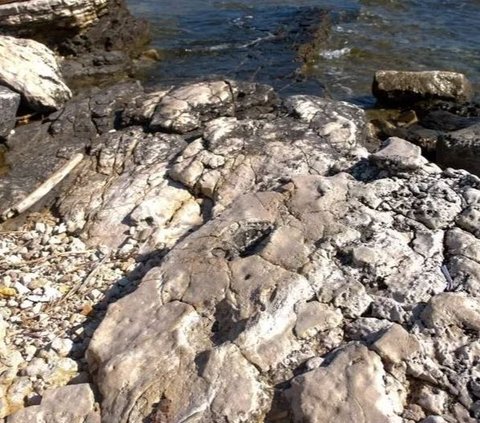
215	252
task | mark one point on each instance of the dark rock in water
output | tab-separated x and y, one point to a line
461	149
400	88
440	120
115	30
107	47
96	68
9	102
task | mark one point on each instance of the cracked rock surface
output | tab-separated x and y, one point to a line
298	278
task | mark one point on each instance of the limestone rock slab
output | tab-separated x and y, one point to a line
400	87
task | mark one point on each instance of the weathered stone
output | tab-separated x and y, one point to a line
396	345
349	388
399	155
452	309
187	108
401	87
460	149
340	123
25	17
74	403
314	317
31	69
9	102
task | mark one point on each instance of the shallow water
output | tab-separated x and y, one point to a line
256	40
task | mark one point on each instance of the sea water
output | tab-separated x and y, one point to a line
259	40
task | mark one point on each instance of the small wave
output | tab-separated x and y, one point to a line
335	54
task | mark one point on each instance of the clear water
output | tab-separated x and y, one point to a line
257	40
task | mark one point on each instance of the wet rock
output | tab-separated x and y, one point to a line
9	102
349	386
401	87
74	403
460	149
31	69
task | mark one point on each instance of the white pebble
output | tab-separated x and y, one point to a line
26	304
62	346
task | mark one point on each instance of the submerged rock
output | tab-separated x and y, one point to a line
403	87
31	69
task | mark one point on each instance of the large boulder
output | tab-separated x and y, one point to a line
403	87
9	102
31	69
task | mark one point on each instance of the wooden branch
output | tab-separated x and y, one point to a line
43	189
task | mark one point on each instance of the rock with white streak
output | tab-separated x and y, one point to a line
31	69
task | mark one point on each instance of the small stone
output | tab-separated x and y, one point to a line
26	304
398	155
396	345
94	294
62	346
21	289
6	292
40	227
37	367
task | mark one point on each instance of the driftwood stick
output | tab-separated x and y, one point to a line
43	189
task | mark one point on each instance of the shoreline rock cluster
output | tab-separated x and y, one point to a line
274	256
220	253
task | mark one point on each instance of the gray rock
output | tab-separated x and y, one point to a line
401	87
31	69
399	155
187	108
74	403
9	102
460	149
